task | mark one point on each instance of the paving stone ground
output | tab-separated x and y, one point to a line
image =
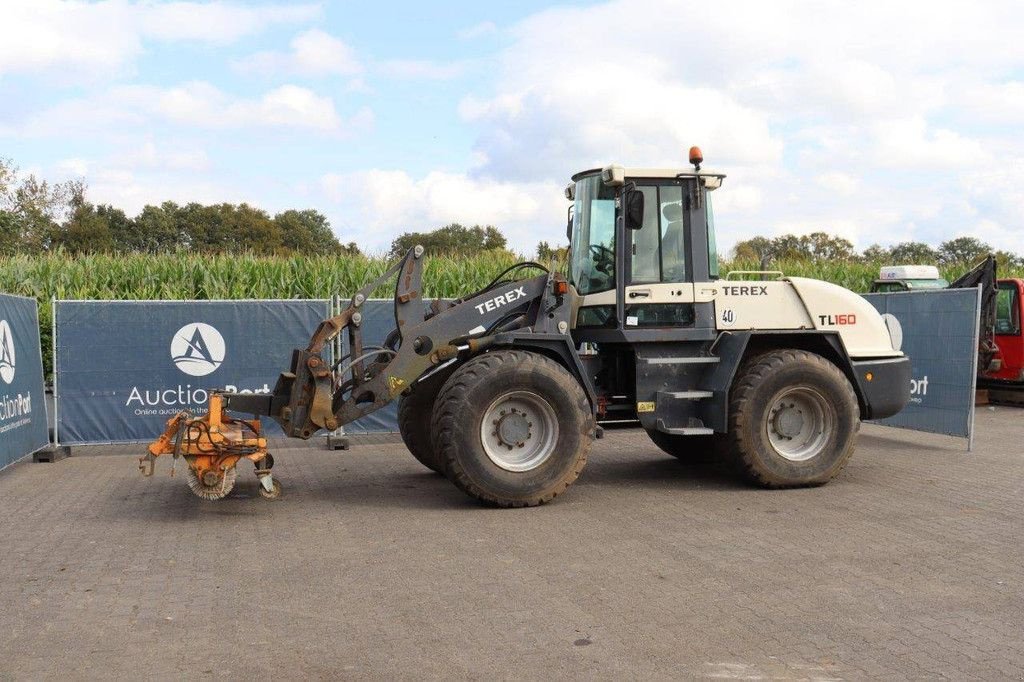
909	565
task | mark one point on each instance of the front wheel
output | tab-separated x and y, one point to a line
793	419
414	413
512	428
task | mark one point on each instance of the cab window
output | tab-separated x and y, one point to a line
592	262
1007	309
658	249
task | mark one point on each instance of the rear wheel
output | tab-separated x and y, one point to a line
793	419
414	414
690	449
513	428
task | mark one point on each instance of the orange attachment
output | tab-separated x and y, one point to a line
212	445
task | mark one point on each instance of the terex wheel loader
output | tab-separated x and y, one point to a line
501	390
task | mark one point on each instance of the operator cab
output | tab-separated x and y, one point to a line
640	239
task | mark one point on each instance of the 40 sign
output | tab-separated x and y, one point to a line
23	426
124	367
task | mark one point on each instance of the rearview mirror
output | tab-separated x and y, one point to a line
568	223
634	212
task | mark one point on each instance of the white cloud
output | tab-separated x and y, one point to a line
422	69
861	118
313	53
132	189
375	205
75	166
841	183
86	40
195	104
484	28
152	156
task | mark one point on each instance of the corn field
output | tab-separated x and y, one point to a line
185	276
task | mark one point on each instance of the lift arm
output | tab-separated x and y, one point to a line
312	395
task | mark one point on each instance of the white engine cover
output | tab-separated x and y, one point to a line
801	303
795	303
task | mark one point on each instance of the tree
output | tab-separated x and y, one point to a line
876	253
913	253
549	254
9	233
309	232
453	238
754	249
155	229
35	208
827	247
963	251
1008	261
251	229
816	245
85	231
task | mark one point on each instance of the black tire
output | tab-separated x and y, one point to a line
480	386
759	400
689	449
414	413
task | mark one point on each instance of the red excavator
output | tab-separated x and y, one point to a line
1001	345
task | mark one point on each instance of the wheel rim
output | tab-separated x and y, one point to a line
519	431
799	423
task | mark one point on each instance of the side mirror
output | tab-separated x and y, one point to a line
634	211
568	223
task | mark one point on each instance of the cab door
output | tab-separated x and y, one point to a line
1008	335
659	289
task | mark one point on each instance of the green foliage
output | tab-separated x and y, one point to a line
551	255
854	275
451	239
963	251
36	216
817	245
31	210
185	276
913	253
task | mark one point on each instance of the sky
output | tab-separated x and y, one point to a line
878	121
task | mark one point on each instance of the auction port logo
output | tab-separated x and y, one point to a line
197	349
6	352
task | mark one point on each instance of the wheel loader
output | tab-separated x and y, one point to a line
501	390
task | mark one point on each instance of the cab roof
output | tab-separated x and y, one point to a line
653	172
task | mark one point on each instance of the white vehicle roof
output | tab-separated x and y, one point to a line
909	272
653	172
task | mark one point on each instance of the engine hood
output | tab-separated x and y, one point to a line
832	308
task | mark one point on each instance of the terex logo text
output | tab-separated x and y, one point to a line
197	349
6	353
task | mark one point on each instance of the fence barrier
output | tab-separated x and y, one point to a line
122	368
23	425
938	330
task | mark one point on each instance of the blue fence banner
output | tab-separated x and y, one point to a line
23	425
123	368
938	330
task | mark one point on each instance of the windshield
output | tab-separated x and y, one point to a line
592	265
927	284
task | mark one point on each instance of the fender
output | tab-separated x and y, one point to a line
734	347
558	347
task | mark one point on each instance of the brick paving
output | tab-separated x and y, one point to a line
910	565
